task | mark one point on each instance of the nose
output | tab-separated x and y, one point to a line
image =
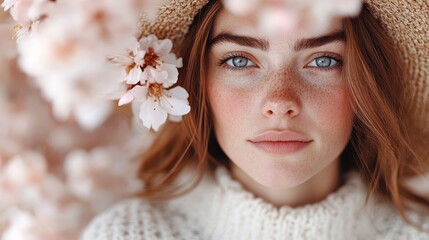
282	101
281	107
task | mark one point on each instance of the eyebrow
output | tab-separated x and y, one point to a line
319	41
264	44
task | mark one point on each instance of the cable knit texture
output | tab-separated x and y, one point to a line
220	209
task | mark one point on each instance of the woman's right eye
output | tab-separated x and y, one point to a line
238	62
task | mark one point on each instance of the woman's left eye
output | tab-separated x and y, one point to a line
324	62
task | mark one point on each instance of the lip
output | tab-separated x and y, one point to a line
281	142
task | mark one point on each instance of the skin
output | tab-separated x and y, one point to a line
279	88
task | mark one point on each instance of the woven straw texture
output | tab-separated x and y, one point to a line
406	21
173	20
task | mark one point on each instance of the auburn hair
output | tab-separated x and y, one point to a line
378	147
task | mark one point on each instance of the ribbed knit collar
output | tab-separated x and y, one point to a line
351	192
223	209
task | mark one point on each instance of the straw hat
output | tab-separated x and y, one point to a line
406	21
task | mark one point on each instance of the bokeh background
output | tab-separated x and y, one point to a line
67	151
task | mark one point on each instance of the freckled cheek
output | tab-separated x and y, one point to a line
333	112
230	106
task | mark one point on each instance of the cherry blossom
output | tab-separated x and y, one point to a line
241	7
160	102
22	226
67	56
7	4
28	13
133	61
150	70
99	176
57	122
280	16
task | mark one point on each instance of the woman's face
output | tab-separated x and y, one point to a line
280	107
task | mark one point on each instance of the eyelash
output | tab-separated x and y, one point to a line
335	57
222	62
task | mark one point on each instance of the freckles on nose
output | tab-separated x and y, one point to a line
283	92
286	83
283	78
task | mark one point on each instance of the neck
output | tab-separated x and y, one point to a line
312	190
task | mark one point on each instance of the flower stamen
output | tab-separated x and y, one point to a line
155	90
150	59
130	67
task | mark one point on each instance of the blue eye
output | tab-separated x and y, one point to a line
239	62
324	62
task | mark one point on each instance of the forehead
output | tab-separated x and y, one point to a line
248	26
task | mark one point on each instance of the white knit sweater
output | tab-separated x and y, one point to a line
220	209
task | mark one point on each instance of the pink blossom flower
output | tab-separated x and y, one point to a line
52	194
162	49
22	226
159	103
7	4
241	7
102	175
132	62
279	16
25	180
67	57
26	12
27	168
156	102
150	70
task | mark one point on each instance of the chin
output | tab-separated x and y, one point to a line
280	176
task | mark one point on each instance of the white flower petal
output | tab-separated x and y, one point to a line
174	105
127	98
134	76
147	42
122	60
152	114
139	57
179	63
132	44
170	73
274	20
163	47
20	227
172	59
92	115
145	76
20	10
22	168
159	118
153	75
139	92
7	4
160	76
241	7
178	92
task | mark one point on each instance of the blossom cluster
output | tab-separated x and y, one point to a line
65	45
150	69
55	176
